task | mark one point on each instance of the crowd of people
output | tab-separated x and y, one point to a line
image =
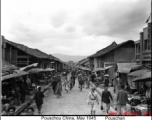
61	82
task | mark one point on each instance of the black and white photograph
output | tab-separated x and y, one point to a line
76	58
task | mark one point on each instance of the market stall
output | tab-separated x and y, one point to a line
10	87
141	103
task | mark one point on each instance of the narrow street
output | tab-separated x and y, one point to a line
71	103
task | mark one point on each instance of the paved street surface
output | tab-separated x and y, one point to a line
71	103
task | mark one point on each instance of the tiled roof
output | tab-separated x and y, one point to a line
7	67
109	48
104	50
83	61
54	58
33	52
30	51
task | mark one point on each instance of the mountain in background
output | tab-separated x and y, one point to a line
67	58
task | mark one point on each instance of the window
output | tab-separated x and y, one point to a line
146	45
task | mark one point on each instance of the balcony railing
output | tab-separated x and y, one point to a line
146	55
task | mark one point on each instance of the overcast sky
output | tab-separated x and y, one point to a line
73	27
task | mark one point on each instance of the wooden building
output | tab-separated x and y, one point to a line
84	63
111	55
21	55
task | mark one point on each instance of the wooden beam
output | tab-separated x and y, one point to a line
23	56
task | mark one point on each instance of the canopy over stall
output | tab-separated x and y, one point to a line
84	68
143	78
138	73
35	70
16	73
99	69
29	67
48	69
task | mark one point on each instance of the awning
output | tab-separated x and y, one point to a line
138	73
122	65
84	68
129	68
29	67
17	73
35	70
144	77
109	67
48	69
99	69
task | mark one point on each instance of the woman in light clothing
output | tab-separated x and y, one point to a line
93	99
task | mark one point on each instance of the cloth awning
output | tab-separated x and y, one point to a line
138	73
84	68
129	68
35	70
144	77
99	69
29	67
122	65
16	73
108	67
48	69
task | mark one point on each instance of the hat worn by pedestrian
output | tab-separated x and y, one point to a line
11	110
106	75
30	108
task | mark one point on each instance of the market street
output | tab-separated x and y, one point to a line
72	103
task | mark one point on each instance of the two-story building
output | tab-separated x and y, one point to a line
113	54
143	47
21	55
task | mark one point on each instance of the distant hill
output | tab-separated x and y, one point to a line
67	58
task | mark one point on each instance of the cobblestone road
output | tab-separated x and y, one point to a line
71	103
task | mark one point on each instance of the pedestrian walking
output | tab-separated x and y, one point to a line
93	76
93	99
114	85
65	81
88	82
127	87
11	111
79	77
106	98
58	90
30	111
122	98
80	82
5	109
54	84
39	99
106	80
118	83
23	90
28	82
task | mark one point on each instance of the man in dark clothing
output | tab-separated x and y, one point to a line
105	98
93	77
54	84
23	90
122	98
39	99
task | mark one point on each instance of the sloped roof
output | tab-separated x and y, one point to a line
7	67
33	52
109	48
123	65
83	61
54	58
138	73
